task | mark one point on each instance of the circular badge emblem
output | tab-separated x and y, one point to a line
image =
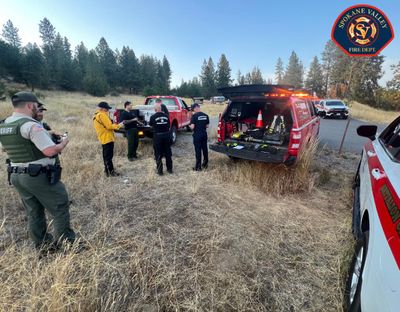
362	30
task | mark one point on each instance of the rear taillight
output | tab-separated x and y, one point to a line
294	144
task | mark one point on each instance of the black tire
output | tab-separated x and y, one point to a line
174	134
354	276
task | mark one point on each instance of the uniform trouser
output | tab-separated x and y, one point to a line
37	196
200	145
162	147
133	142
108	154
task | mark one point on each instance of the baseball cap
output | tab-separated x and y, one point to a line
24	96
104	105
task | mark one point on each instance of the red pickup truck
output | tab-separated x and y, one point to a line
179	114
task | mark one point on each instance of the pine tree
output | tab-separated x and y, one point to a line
315	78
240	78
248	79
148	73
95	82
167	74
223	73
10	61
10	35
341	74
208	78
48	36
80	64
279	71
363	79
129	70
33	64
294	71
108	62
256	76
328	58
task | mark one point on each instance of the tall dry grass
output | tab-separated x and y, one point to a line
272	178
368	113
240	236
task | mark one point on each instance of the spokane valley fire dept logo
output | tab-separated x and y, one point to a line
362	30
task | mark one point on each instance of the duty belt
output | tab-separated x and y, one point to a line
15	169
32	170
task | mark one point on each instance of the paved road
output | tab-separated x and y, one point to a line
331	133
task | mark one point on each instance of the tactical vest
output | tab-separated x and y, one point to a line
19	149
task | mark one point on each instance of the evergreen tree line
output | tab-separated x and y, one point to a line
98	71
341	76
335	76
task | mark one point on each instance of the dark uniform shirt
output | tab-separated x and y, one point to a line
200	122
160	122
125	115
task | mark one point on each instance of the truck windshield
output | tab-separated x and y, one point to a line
334	103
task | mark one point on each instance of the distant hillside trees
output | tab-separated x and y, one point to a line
54	65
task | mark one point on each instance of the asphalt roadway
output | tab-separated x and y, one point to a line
331	133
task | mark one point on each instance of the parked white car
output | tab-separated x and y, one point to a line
374	276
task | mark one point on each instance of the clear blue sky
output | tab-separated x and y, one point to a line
187	31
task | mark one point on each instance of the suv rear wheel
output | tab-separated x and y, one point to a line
354	278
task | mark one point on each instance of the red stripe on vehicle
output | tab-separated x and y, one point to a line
387	203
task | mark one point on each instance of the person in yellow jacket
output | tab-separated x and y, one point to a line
105	133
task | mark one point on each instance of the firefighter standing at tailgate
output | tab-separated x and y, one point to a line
162	138
199	124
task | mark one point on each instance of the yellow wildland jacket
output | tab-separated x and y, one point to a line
104	127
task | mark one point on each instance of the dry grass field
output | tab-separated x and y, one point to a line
240	236
368	113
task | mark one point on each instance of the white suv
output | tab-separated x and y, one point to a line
373	282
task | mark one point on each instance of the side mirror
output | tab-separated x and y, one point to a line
320	113
368	131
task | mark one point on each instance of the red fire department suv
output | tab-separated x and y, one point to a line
268	123
374	277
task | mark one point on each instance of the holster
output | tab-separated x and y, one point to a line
34	170
53	173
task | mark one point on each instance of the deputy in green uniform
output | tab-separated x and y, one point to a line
34	173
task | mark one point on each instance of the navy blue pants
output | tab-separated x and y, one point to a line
162	148
200	145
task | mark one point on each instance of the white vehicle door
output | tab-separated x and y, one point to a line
380	195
